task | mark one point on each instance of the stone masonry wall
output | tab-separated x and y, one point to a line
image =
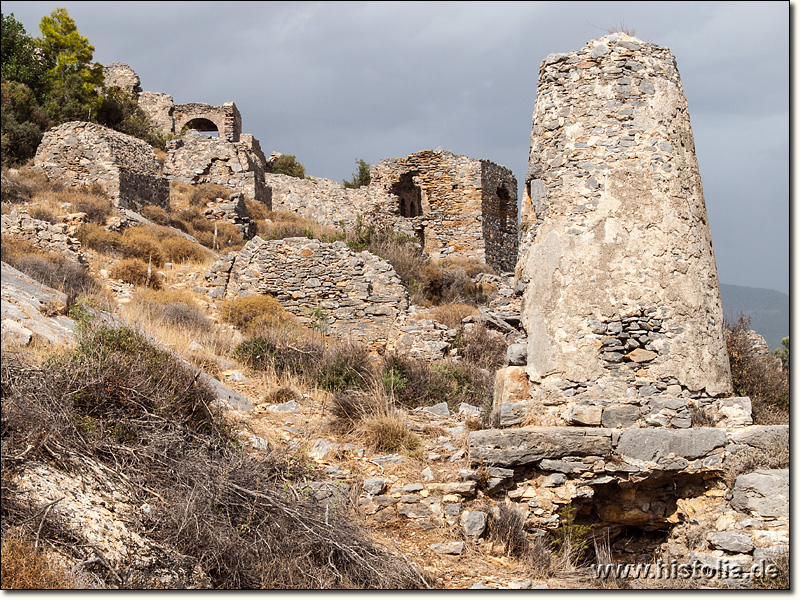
158	107
117	74
78	153
457	206
622	291
447	197
359	295
238	166
47	236
226	118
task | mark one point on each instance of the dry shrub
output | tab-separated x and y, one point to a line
178	249
95	203
42	213
413	382
133	270
155	213
26	567
351	407
175	308
749	459
446	283
142	243
452	314
106	400
470	266
98	238
507	527
255	312
203	193
482	347
386	432
759	376
25	184
277	225
53	270
257	210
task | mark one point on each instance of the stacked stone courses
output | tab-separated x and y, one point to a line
459	206
356	296
85	154
622	290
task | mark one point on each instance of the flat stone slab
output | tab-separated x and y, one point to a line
764	492
650	445
516	447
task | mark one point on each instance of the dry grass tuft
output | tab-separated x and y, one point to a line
452	314
135	271
253	313
277	225
749	459
27	567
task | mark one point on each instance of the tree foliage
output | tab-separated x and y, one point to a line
783	352
286	164
19	60
361	178
50	80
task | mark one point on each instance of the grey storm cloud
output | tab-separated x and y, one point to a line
331	82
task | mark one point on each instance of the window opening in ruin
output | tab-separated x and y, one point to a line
503	200
204	126
409	196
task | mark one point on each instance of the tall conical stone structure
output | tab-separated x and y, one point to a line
622	297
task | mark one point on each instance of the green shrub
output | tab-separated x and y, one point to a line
361	178
286	164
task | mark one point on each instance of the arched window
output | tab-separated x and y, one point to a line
204	126
409	196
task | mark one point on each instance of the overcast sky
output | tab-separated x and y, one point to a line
331	82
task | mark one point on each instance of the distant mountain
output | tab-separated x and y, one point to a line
768	310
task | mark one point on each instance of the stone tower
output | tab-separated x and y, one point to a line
622	298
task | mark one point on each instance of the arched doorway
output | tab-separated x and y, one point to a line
201	125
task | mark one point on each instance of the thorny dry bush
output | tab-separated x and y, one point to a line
146	417
759	376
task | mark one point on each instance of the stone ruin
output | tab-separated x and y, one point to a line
88	154
457	206
353	295
620	387
120	75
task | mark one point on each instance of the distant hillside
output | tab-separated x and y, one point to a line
768	310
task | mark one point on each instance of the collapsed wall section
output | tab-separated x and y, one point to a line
78	153
352	295
622	291
239	166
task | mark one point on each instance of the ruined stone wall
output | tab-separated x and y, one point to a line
359	294
325	201
158	107
445	197
47	236
78	153
120	75
622	297
238	166
226	118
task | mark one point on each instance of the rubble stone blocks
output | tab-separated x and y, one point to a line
622	296
78	153
117	74
353	295
239	166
